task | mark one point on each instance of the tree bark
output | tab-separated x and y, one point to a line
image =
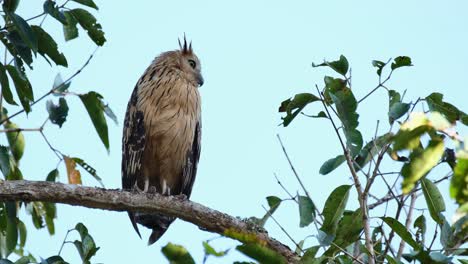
118	200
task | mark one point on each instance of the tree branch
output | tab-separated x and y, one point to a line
118	200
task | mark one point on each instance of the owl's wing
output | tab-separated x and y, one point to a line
133	145
190	169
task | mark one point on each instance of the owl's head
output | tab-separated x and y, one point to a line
189	62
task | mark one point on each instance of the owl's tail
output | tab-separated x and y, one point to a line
157	222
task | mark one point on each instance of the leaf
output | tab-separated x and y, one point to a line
16	140
325	239
261	254
421	162
274	203
19	47
51	8
57	112
89	3
401	230
371	149
54	260
341	66
420	224
10	5
24	30
50	215
22	234
53	175
89	169
401	61
23	88
459	181
74	176
59	86
331	164
88	22
109	113
379	65
12	227
209	250
334	208
93	103
4	161
86	247
306	211
177	254
292	107
436	103
397	110
446	234
349	231
434	200
6	91
24	260
48	46
309	255
70	31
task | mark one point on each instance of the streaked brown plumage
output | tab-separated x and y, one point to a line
162	130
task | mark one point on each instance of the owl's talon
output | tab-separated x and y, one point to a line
182	197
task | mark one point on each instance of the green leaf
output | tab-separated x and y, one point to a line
51	8
370	150
4	161
6	91
306	211
50	215
397	110
23	88
446	234
401	230
23	260
59	85
434	200
409	139
379	65
421	162
88	22
57	112
24	30
10	5
109	113
22	234
89	3
420	224
177	254
86	247
292	107
309	255
436	103
19	47
341	66
331	164
261	254
54	260
210	251
12	227
353	141
89	169
334	208
70	31
349	231
401	61
459	181
53	175
274	203
93	103
48	46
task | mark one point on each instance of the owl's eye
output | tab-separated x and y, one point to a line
192	64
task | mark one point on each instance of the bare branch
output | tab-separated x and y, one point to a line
118	200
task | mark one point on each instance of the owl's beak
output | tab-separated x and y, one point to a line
200	80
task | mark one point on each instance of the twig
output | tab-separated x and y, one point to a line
282	229
64	240
53	89
407	224
362	197
381	84
295	172
284	188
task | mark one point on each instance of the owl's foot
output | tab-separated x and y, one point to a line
181	197
151	192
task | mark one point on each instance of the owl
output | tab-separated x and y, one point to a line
162	131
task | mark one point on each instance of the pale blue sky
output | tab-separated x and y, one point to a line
254	54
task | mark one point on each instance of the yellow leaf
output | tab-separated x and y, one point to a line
74	175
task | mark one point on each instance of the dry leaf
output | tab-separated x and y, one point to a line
74	175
